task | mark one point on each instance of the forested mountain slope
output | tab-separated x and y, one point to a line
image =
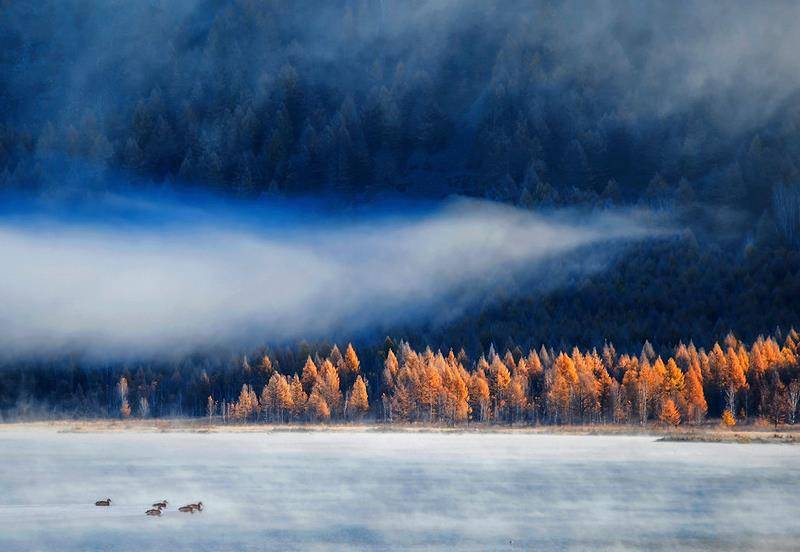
530	103
687	110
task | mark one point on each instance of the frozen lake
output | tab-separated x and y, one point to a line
394	490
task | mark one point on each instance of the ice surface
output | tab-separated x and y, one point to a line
373	490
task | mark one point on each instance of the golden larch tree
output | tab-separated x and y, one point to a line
456	407
390	367
562	390
309	377
269	398
731	377
517	399
499	383
284	397
479	394
430	385
401	404
317	407
695	397
299	396
329	387
358	402
728	419
265	367
352	366
669	414
674	380
650	384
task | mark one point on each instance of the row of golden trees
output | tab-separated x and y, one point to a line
315	394
731	381
566	387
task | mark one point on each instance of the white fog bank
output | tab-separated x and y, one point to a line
148	288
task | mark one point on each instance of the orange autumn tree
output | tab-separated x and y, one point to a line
730	372
455	392
540	385
674	380
669	414
500	379
299	397
651	385
630	386
588	388
309	377
247	406
317	407
329	388
479	394
390	367
728	420
401	404
517	400
695	397
358	402
428	389
265	367
562	391
276	398
351	366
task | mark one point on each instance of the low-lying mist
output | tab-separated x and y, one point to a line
153	277
394	490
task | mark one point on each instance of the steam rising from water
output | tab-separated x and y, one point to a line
389	491
208	279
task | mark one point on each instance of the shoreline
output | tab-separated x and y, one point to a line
709	433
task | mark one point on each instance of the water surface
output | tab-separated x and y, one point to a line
369	490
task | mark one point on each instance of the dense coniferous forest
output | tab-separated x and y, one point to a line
529	104
515	101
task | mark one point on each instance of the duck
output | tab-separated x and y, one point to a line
160	505
190	508
106	502
153	512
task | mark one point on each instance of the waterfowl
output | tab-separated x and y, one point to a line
159	505
106	502
153	512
